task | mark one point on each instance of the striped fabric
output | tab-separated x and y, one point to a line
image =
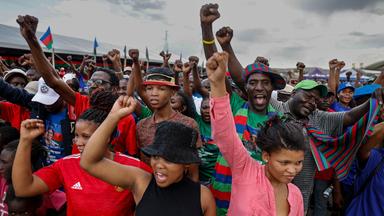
222	177
339	152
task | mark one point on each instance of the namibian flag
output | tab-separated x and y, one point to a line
47	39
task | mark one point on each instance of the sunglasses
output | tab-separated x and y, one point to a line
98	82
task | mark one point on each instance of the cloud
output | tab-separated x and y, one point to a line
363	40
252	35
330	6
150	8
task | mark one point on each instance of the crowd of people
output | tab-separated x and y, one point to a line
172	140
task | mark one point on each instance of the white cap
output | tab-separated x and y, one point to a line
32	87
69	76
45	94
128	68
15	71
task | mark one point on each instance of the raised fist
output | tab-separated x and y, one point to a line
209	13
134	54
224	35
28	25
300	65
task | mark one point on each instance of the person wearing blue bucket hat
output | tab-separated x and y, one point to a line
344	101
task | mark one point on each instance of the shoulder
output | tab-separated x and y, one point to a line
185	120
207	200
144	121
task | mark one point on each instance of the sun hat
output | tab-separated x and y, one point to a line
346	85
310	84
45	94
174	142
278	81
14	72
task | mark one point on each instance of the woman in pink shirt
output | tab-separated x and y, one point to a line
256	189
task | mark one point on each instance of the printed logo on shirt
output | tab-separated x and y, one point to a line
77	186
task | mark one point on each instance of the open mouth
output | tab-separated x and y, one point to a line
160	178
260	99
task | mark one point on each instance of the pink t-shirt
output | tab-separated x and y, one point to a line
252	192
88	195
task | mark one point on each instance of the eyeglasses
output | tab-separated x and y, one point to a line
97	82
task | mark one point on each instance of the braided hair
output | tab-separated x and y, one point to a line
101	103
280	134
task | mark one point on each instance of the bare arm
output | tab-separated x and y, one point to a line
207	201
332	75
224	37
300	67
93	160
208	14
28	25
131	86
25	183
166	57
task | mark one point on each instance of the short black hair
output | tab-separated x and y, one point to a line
35	201
8	134
112	74
188	103
279	134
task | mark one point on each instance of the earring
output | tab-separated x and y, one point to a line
266	161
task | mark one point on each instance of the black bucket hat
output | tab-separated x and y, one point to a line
174	142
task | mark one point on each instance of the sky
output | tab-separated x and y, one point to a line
284	31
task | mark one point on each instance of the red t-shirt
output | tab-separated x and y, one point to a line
325	175
88	195
125	140
13	113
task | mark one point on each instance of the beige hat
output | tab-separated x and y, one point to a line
287	90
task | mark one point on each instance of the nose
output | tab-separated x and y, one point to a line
291	170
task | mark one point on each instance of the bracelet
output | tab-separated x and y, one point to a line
209	42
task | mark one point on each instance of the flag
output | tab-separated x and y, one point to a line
146	54
47	39
95	45
125	52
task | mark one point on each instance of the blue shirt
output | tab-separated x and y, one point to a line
338	107
371	200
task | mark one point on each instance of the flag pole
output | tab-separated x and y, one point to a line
53	57
125	57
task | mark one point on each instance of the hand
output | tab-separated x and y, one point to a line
194	59
166	56
123	106
333	64
87	59
379	95
217	66
340	65
114	55
28	26
178	66
187	68
134	54
261	59
209	13
31	128
224	35
69	58
104	58
26	60
359	74
300	66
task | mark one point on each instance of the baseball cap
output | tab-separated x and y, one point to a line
346	85
13	72
310	84
45	94
278	81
